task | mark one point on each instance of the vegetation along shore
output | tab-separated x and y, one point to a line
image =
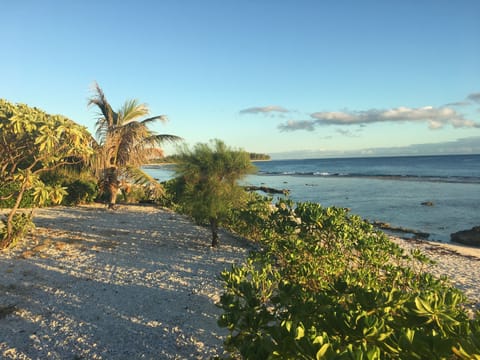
206	269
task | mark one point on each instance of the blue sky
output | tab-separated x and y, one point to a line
288	78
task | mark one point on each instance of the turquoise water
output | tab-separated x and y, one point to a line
382	189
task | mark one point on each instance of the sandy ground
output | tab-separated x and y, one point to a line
137	283
460	263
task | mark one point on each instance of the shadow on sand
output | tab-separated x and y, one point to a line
133	283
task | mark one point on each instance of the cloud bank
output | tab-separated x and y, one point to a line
264	110
470	145
475	97
436	118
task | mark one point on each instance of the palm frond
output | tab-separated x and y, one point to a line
138	176
162	118
154	153
107	117
162	138
131	111
101	102
125	140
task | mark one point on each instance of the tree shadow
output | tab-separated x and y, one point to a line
124	285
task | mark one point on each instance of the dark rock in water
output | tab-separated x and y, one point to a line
267	190
427	203
467	237
398	229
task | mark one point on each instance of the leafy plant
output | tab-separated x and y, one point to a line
8	199
21	224
80	192
327	285
250	219
33	143
171	197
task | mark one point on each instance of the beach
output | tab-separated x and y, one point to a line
137	283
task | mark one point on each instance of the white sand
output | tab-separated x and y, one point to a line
137	283
460	263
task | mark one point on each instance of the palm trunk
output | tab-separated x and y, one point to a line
214	228
112	185
113	196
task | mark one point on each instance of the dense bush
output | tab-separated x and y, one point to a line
80	192
8	198
22	223
327	285
171	197
80	186
133	194
250	221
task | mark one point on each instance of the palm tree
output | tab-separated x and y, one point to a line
124	143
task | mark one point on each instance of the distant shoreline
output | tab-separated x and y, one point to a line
158	164
347	157
172	163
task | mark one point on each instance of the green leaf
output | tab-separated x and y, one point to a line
322	351
300	332
423	306
287	324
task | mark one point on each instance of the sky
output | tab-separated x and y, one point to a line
293	79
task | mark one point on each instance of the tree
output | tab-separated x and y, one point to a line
209	175
124	143
33	142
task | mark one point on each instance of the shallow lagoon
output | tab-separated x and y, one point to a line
456	206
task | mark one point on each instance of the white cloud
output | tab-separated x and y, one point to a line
433	125
264	110
436	118
464	123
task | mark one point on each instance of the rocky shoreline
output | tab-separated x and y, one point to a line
470	237
467	237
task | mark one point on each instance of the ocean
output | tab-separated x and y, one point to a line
394	190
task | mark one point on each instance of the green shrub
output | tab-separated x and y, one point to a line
8	198
22	223
81	186
171	197
250	220
135	194
80	192
57	176
327	285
